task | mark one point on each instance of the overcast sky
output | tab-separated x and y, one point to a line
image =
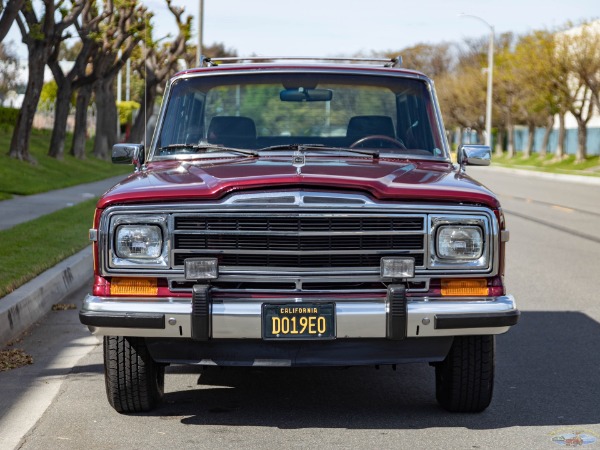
346	27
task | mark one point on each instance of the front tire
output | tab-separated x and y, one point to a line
464	381
134	382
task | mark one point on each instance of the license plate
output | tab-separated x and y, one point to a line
298	321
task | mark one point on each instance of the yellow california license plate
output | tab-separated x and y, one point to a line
299	321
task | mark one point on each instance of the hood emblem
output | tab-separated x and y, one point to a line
298	161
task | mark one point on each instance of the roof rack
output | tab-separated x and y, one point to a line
205	61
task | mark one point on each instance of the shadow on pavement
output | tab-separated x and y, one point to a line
548	374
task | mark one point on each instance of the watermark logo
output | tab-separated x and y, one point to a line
573	438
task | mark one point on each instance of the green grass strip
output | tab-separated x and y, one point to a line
23	178
29	249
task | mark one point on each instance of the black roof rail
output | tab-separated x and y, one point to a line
205	61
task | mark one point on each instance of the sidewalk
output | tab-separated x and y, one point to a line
32	301
25	208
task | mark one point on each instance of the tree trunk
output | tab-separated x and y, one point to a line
11	9
510	150
84	97
61	115
560	146
106	118
500	142
19	145
138	130
547	133
581	141
530	140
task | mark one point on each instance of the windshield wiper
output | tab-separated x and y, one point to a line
300	147
292	147
206	147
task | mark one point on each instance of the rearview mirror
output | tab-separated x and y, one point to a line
306	95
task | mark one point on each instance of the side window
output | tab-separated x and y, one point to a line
183	119
414	128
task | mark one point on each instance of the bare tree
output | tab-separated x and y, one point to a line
67	82
507	91
9	14
434	60
82	103
90	32
536	77
42	36
158	64
120	35
578	52
8	71
461	96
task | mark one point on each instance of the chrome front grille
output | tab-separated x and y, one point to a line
288	241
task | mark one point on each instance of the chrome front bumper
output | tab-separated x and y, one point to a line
241	318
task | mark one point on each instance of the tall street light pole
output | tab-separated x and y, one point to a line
490	80
200	26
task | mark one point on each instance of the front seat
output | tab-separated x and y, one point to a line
232	131
361	126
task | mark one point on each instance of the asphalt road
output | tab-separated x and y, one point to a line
547	377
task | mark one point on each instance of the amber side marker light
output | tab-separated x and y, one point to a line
133	286
464	288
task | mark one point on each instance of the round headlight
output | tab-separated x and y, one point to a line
139	241
460	242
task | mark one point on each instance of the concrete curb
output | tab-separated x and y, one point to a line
29	303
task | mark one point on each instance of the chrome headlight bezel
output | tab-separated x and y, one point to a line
117	260
437	260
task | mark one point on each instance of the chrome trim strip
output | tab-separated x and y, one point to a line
302	285
300	233
383	209
240	318
299	252
421	315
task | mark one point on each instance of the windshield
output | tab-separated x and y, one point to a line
272	111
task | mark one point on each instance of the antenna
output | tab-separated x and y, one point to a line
146	144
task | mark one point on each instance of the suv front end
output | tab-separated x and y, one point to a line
299	247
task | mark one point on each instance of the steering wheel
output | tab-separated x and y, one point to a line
378	137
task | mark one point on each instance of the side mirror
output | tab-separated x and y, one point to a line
128	154
474	155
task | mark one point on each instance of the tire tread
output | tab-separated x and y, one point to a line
134	382
465	379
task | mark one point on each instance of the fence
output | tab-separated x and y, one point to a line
570	144
45	120
522	135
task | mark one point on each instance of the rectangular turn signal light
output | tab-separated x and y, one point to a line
133	286
464	287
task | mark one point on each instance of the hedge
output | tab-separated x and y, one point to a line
8	116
